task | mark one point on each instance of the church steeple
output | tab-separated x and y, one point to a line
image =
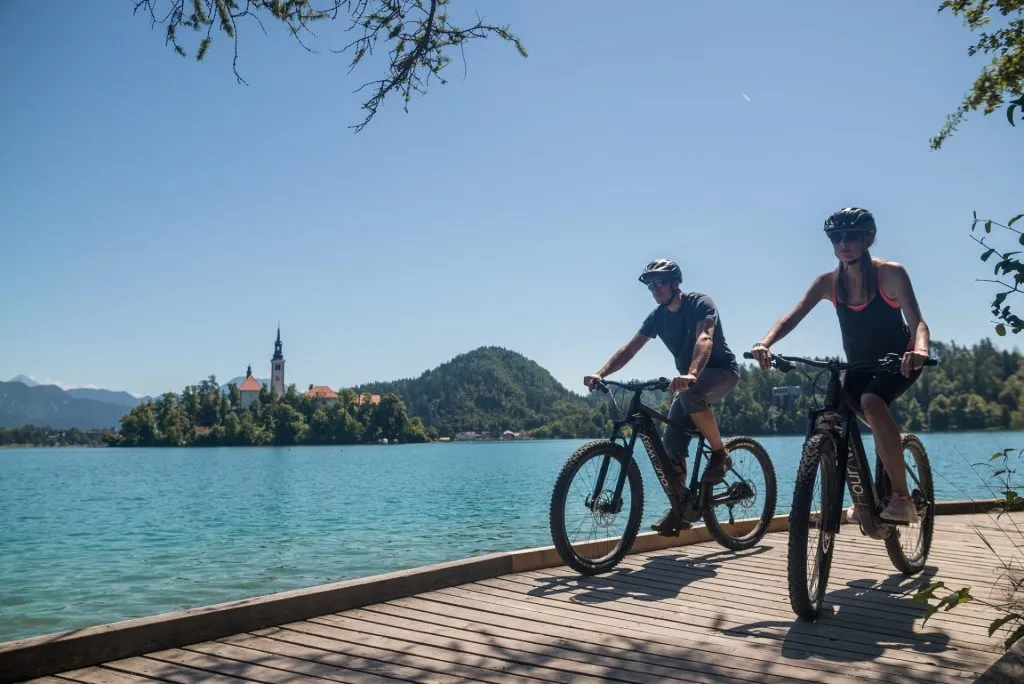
277	344
277	367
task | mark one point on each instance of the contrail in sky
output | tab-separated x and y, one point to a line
745	97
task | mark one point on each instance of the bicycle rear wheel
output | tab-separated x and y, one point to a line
606	535
749	489
908	545
810	546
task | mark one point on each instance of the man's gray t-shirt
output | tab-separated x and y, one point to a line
679	332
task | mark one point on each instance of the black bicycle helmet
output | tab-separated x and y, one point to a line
850	218
661	269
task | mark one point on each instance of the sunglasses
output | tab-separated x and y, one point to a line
849	236
655	284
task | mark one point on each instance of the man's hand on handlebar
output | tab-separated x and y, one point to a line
591	380
681	383
762	355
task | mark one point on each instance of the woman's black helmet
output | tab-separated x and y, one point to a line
850	218
661	269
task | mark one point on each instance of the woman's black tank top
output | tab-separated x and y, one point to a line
872	330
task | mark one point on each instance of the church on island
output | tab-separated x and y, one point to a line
250	388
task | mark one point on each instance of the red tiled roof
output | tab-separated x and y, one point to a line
251	384
368	399
321	392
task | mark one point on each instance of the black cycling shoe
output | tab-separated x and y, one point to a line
718	466
670	524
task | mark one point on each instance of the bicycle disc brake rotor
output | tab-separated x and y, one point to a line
602	510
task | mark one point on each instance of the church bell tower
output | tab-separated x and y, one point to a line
277	367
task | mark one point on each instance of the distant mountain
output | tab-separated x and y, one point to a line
489	388
107	396
50	406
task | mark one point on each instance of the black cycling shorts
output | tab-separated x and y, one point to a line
888	386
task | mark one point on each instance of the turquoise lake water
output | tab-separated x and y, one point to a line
89	536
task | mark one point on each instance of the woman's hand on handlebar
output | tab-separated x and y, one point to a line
912	361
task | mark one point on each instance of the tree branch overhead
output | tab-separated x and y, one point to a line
419	33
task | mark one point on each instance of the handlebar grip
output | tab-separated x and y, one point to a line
747	355
931	362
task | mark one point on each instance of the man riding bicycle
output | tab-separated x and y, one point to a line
689	325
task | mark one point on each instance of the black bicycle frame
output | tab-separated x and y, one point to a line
839	419
641	418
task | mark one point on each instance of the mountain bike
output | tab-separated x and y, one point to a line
832	436
603	495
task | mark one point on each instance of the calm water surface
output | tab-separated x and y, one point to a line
89	536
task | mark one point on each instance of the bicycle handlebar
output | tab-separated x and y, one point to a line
658	384
888	363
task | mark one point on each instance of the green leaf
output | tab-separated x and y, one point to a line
986	255
988	226
1015	219
999	622
1001	330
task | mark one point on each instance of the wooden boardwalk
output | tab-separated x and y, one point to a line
696	613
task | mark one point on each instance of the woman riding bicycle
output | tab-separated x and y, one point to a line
871	297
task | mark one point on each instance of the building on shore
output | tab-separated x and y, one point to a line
249	391
323	394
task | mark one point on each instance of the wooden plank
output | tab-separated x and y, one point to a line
851	590
472	623
296	660
535	651
438	660
248	670
656	633
102	675
891	614
848	643
170	672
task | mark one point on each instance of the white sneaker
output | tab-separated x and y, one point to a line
900	509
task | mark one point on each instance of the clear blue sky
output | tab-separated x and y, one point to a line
157	220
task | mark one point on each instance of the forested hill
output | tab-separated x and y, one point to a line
973	388
489	388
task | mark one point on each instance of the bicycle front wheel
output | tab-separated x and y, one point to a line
738	510
810	544
591	531
908	545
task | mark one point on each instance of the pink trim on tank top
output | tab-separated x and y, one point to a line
860	307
